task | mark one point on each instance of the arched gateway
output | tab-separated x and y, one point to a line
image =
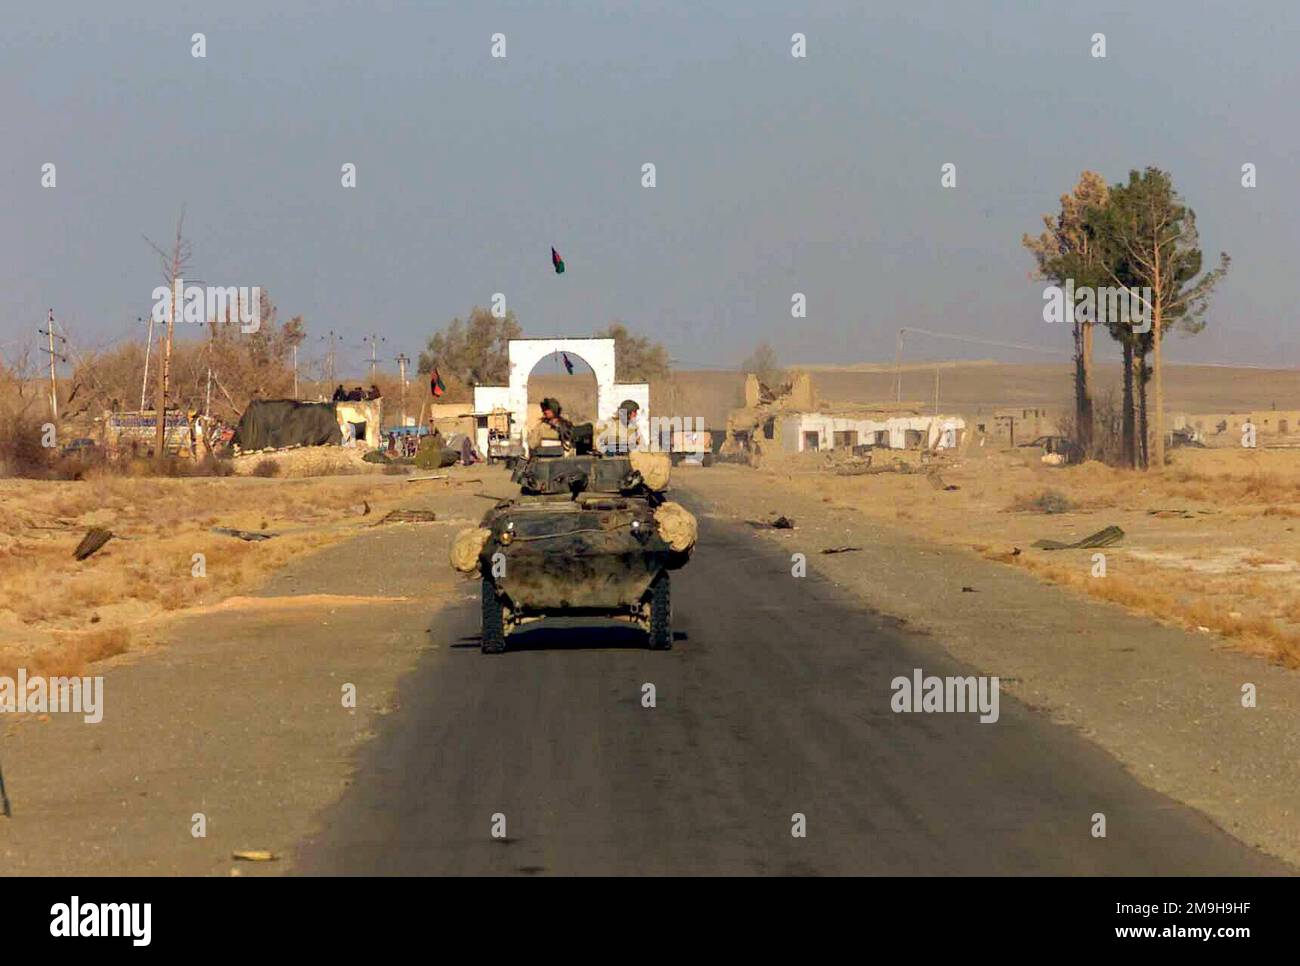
524	356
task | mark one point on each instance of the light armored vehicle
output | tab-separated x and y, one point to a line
588	536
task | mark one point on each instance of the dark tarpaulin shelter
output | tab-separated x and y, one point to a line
285	422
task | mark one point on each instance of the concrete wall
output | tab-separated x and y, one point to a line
368	411
596	353
792	427
1268	422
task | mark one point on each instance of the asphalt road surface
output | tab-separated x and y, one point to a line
775	700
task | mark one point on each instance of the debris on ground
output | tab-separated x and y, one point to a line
780	523
254	855
249	535
4	798
968	590
1048	501
1001	556
1102	538
95	538
937	482
840	549
1059	450
409	516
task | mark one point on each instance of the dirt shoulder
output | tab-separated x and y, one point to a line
1165	702
238	714
59	614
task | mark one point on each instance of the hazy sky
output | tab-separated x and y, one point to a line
775	175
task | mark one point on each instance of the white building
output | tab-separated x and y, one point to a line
798	432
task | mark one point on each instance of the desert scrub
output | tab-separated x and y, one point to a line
1046	501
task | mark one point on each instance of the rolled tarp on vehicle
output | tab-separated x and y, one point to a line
273	423
653	467
467	546
676	525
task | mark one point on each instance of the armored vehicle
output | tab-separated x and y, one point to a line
588	536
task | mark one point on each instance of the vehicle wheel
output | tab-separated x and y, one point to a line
661	615
494	621
708	460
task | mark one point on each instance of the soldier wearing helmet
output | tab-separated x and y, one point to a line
553	428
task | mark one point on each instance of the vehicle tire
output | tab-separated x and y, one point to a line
661	614
708	460
494	621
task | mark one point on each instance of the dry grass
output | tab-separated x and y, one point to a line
1149	590
1209	542
60	613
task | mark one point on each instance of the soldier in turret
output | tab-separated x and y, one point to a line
552	428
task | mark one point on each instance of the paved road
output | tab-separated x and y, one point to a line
774	700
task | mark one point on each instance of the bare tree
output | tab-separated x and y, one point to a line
637	358
174	263
1065	250
762	362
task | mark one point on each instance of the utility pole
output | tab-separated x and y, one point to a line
295	371
174	264
402	360
936	390
54	385
207	398
898	365
148	351
160	395
373	339
329	358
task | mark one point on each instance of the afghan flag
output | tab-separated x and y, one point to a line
567	364
557	261
435	384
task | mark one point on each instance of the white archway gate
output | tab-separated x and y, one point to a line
524	356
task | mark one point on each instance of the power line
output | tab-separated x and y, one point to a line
994	342
898	357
